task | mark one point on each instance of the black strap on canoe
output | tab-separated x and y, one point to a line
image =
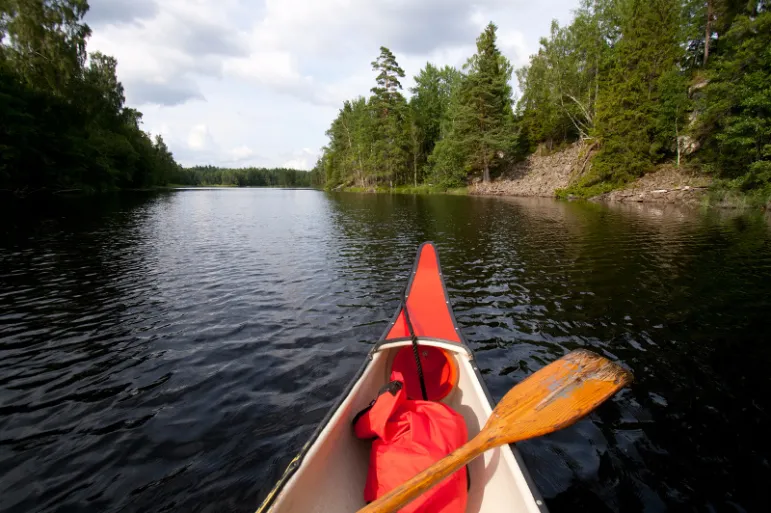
415	351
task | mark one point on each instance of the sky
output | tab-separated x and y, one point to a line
239	83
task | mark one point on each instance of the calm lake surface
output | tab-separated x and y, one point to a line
173	352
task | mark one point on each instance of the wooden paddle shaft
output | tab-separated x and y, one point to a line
433	475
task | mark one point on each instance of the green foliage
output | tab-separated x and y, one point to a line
389	124
211	176
482	130
734	193
590	186
735	124
45	41
641	99
561	85
670	111
542	118
428	107
627	75
620	74
63	122
706	22
448	163
455	125
349	154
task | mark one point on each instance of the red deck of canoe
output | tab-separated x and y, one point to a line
431	317
427	302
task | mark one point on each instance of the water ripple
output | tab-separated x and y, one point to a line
173	352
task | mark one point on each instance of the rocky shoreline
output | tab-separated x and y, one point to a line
667	184
542	174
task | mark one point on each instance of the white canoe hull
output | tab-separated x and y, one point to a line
329	474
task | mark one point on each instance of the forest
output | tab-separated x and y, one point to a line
641	82
246	177
64	124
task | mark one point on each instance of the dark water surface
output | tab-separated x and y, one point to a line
173	352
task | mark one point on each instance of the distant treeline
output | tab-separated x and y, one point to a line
63	119
642	82
246	177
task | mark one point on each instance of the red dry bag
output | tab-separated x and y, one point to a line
408	437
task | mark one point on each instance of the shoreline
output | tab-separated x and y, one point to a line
543	176
548	175
701	196
681	196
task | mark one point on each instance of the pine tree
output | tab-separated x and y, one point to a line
707	23
483	124
649	48
391	127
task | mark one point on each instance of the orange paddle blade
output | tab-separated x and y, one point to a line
555	397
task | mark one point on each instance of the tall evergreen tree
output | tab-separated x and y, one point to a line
706	22
648	49
390	107
482	129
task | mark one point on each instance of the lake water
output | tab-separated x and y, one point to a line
173	352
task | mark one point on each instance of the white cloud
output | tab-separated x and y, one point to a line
268	66
304	159
276	70
241	153
183	40
245	82
512	43
199	138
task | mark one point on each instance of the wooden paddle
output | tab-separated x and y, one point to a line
552	398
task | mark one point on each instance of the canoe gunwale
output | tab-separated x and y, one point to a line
297	460
461	347
455	346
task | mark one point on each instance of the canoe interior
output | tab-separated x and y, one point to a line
332	474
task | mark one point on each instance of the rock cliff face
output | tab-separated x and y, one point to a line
539	175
